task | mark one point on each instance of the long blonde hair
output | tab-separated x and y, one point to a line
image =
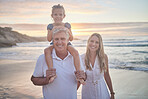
100	54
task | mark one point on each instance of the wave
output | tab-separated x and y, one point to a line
132	68
140	51
8	54
120	39
146	58
131	45
134	65
140	62
144	41
33	44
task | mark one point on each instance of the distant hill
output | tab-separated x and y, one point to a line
9	38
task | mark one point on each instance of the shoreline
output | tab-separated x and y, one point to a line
15	81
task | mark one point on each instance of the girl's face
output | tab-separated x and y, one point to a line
58	15
93	44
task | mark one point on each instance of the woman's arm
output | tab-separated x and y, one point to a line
108	79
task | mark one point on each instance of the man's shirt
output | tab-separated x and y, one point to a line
65	84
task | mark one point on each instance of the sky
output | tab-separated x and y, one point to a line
77	11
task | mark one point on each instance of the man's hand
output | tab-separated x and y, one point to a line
80	75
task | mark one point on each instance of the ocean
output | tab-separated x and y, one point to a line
124	52
126	44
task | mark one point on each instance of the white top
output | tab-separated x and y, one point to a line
94	74
95	87
65	84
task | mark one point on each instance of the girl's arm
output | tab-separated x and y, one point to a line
70	35
75	55
108	79
49	35
48	56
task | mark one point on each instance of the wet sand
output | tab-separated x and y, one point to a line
15	82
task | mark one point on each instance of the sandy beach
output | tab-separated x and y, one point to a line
15	82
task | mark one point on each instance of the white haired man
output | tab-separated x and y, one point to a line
65	85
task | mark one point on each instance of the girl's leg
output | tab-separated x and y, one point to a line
75	55
48	58
49	61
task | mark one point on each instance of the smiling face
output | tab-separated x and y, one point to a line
60	41
58	15
93	44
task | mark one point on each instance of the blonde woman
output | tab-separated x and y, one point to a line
95	62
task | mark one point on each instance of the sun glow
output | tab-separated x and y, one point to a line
83	29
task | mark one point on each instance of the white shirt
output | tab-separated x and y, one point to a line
95	87
65	85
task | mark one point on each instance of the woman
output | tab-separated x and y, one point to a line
95	62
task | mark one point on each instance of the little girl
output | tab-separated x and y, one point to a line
58	14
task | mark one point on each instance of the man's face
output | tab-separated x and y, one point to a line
60	42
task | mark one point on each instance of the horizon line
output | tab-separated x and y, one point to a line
77	23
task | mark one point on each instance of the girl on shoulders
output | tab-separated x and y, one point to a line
58	14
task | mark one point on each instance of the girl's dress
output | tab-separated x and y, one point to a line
95	87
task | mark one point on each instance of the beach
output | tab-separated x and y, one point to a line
122	24
15	82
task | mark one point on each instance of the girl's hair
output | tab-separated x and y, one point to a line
58	7
100	54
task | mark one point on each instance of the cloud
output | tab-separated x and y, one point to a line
41	9
38	7
21	8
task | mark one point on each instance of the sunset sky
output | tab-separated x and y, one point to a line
77	11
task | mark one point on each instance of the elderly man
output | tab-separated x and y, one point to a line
65	85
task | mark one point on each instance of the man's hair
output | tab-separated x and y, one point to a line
58	30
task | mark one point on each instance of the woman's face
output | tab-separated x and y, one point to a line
93	44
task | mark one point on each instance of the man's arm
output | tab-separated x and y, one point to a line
40	81
38	75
